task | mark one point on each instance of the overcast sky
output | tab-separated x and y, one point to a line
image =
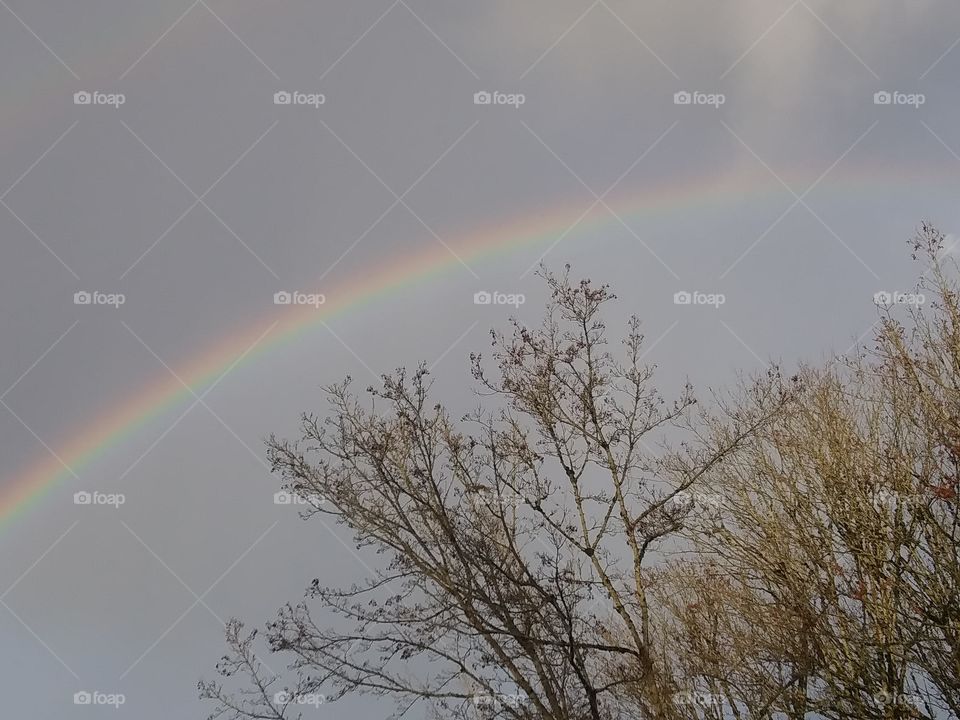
781	196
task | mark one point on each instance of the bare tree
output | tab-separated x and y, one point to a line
518	547
830	584
578	548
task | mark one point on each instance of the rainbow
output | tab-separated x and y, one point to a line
28	488
288	322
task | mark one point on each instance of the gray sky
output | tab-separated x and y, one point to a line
782	186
